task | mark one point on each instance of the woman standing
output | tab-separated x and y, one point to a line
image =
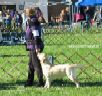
34	45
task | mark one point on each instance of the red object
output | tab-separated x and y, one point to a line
92	21
78	17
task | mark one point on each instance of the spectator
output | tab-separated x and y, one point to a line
88	17
8	22
18	20
1	22
1	39
1	19
12	13
24	18
39	15
98	17
68	17
52	21
34	45
62	18
13	24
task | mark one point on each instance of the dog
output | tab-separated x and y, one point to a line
52	71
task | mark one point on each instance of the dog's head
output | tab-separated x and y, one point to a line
43	58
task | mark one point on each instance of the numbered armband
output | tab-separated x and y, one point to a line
35	33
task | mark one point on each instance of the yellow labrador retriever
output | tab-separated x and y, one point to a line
51	71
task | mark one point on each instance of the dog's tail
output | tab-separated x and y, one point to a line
76	66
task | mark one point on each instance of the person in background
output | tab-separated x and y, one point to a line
34	46
12	13
88	17
1	19
1	25
18	20
98	17
1	38
24	18
8	22
68	17
39	15
13	24
62	18
52	21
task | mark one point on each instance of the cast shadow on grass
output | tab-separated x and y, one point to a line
7	86
66	83
11	85
15	85
55	83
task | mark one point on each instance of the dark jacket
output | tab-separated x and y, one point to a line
31	40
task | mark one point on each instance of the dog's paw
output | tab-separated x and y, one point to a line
46	86
77	85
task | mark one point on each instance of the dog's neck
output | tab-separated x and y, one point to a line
46	62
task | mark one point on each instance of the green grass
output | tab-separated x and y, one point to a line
58	91
68	48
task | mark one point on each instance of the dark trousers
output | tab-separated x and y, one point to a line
34	65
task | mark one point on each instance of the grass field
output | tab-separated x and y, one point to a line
83	48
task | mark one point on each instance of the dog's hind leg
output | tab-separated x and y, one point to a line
76	82
72	76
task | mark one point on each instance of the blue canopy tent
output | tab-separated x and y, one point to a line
98	2
88	2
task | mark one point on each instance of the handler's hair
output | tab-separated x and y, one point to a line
31	12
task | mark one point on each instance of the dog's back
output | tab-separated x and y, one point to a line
75	65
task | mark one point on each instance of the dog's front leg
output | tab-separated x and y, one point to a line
47	84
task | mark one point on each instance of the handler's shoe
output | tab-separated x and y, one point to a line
41	84
28	84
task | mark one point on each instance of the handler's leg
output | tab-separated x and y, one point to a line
38	68
30	72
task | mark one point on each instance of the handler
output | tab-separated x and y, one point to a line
34	45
